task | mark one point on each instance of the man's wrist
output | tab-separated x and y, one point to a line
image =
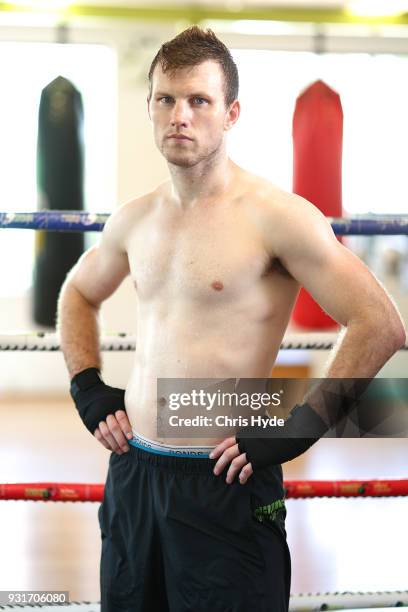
85	379
93	399
302	428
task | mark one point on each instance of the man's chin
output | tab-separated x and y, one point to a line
181	161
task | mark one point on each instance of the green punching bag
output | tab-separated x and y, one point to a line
60	171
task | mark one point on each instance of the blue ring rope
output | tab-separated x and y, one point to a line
81	221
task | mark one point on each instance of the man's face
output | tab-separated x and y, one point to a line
189	114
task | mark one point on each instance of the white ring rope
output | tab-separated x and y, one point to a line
347	601
44	341
298	603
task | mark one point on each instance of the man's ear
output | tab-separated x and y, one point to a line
148	107
232	115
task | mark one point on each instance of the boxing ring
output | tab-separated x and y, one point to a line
50	492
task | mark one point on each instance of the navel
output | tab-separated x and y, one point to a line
217	285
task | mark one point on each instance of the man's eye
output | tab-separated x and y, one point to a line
199	101
165	99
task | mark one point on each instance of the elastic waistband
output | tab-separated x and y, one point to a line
169	450
175	461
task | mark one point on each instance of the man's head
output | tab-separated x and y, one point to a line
193	47
193	87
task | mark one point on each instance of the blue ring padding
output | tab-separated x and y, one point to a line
168	453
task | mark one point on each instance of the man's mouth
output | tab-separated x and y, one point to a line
179	137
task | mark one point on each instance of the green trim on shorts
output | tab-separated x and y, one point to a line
269	512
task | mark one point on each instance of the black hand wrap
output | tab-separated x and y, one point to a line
93	399
274	449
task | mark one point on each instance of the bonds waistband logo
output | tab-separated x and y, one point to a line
167	450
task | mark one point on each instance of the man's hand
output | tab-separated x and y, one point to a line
228	453
248	454
102	409
113	432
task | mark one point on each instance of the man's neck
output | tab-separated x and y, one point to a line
201	184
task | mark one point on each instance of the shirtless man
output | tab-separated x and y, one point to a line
217	257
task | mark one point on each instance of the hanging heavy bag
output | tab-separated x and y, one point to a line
317	162
60	170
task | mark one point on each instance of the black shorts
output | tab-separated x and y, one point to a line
177	538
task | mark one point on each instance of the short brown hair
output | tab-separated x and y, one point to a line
192	47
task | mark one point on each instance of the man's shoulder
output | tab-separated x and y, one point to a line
126	217
276	201
271	199
137	206
282	215
133	210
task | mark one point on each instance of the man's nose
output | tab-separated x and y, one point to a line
180	114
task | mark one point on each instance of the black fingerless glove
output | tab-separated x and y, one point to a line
275	449
93	399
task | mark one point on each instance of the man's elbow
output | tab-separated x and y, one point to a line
387	332
71	296
399	335
393	333
393	326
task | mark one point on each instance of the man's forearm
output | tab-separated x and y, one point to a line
358	356
78	327
361	352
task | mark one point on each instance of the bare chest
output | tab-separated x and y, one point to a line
199	259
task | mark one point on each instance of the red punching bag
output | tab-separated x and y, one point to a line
317	155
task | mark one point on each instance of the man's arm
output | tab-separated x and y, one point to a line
342	285
92	280
303	240
97	274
